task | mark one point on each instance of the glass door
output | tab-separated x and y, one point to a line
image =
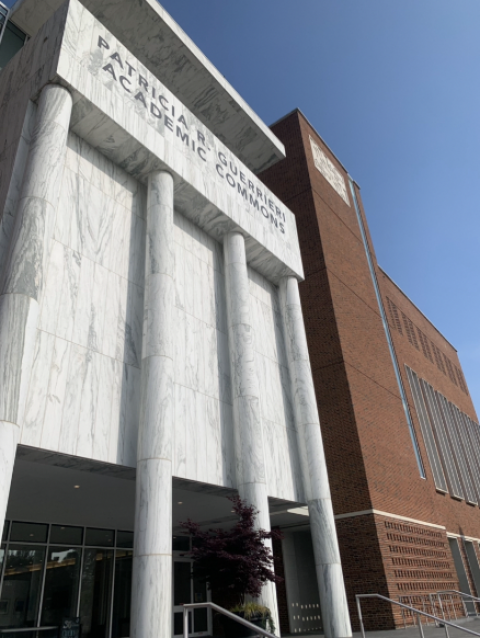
188	590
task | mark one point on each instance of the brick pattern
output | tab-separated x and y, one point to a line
369	451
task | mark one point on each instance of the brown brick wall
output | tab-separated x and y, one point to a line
368	446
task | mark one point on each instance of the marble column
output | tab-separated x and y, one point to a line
21	282
152	565
249	452
333	601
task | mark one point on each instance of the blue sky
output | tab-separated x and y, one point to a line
394	88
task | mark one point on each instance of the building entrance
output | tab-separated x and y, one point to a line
187	589
52	572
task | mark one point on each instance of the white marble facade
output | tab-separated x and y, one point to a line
96	302
89	338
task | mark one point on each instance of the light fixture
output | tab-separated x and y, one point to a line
180	502
31	534
76	487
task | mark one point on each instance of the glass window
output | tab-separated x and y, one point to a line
61	585
5	531
29	532
21	586
96	592
65	535
121	594
99	537
125	539
182	583
181	543
12	41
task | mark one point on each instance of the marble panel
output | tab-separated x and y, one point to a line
68	300
199	365
198	289
210	301
73	400
190	435
67	209
189	282
89	393
38	390
190	353
112	304
213	442
179	276
53	289
103	409
117	432
201	436
121	241
180	442
83	313
179	346
211	363
56	395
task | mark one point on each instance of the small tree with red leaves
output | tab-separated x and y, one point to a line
235	560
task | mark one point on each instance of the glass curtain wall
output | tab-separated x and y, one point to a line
52	572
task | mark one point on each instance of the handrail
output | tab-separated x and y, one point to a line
461	593
228	614
445	623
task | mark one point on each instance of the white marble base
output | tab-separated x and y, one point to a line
152	597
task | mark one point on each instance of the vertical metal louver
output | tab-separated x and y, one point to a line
410	330
454	434
394	316
427	432
450	371
438	358
471	447
443	444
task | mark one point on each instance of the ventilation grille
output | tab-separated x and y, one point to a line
404	325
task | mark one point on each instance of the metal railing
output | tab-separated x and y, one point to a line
448	604
465	598
419	613
190	607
